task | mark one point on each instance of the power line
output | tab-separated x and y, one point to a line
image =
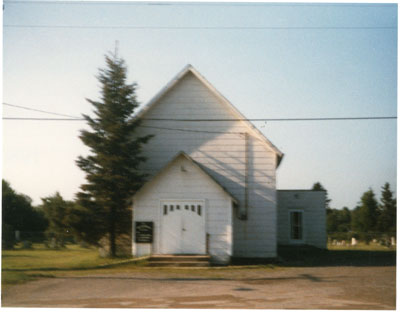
204	131
222	120
75	118
36	110
204	27
274	119
42	119
143	126
161	3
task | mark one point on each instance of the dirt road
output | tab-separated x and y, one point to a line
288	288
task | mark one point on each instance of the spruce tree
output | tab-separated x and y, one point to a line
387	208
318	187
368	212
112	167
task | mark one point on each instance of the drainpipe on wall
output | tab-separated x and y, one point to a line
243	210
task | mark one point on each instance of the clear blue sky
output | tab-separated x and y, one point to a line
266	73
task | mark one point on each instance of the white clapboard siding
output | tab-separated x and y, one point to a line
312	204
220	149
192	184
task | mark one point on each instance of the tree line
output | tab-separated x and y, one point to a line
370	219
58	221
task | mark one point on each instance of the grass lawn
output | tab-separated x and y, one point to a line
26	264
22	265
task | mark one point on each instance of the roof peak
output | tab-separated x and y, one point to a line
196	164
190	68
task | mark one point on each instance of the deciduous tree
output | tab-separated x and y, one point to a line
57	210
18	214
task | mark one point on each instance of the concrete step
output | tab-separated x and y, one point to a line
179	264
179	261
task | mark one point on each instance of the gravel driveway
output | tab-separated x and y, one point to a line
288	288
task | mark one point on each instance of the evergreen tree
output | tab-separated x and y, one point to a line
366	215
318	187
112	168
387	209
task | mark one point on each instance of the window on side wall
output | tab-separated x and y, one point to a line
296	225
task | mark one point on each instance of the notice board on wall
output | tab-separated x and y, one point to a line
143	232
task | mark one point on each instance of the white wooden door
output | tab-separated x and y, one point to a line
183	227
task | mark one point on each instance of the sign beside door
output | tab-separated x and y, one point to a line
144	232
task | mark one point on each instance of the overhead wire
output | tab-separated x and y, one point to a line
161	3
202	27
198	3
77	119
299	119
36	110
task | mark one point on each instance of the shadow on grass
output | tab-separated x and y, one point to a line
78	267
303	256
307	256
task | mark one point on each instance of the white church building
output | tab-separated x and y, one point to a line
212	184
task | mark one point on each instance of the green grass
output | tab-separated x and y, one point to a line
41	258
21	265
8	278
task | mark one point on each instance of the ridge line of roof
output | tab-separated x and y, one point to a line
224	99
190	68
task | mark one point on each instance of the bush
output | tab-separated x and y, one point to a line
8	237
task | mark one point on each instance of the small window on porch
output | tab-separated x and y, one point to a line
171	207
193	208
165	209
186	207
178	207
199	210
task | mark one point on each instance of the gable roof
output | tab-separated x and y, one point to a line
197	165
190	69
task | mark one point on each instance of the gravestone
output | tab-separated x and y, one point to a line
26	244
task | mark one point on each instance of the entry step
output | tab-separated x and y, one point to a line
179	260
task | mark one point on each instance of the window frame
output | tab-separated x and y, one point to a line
302	239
